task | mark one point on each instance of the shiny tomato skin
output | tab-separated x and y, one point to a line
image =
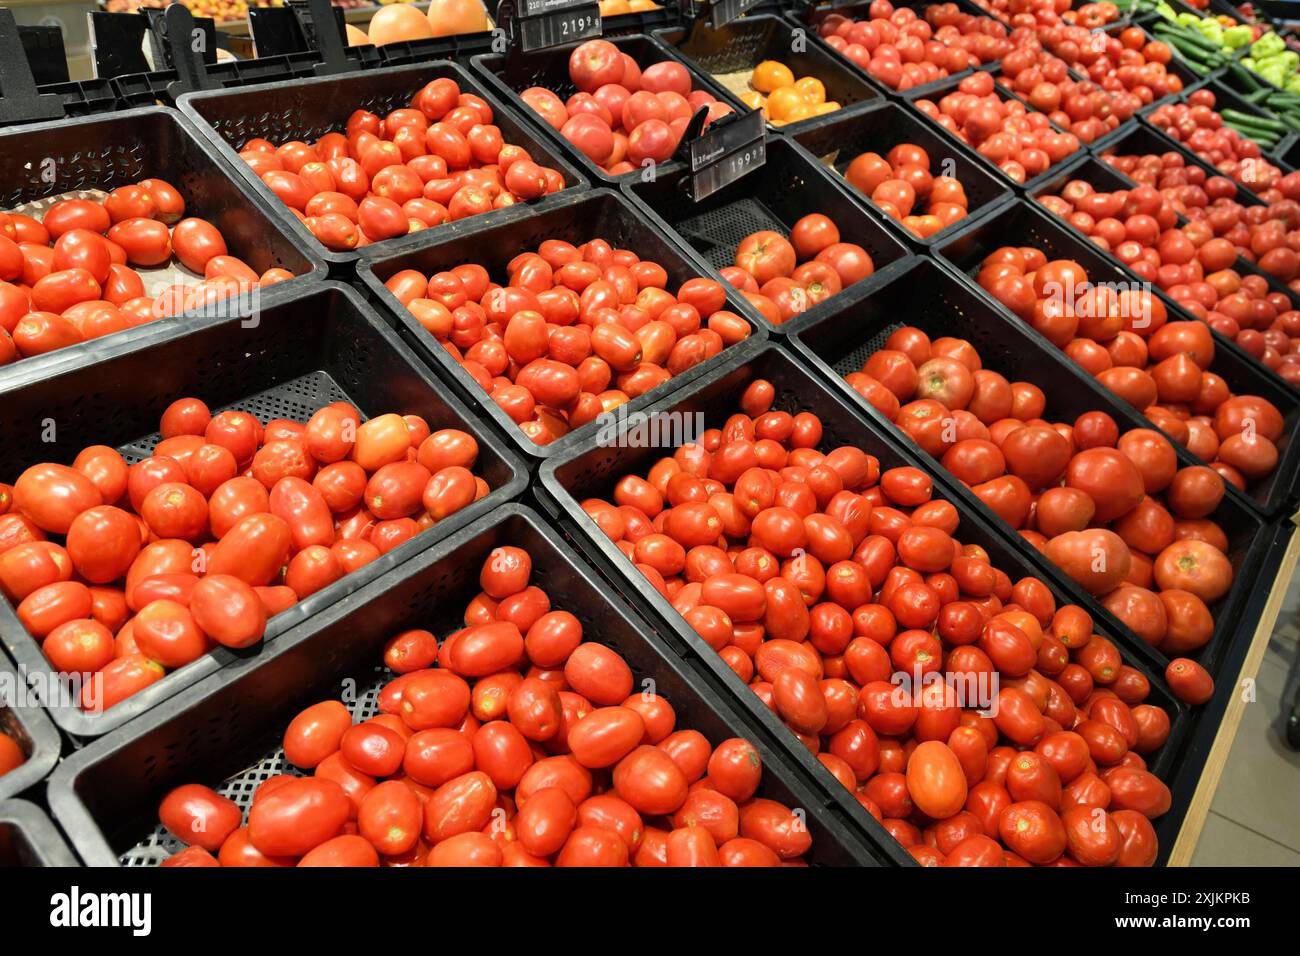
298	816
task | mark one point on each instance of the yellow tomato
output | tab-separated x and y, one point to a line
812	89
769	75
784	103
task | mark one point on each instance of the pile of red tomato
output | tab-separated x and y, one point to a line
1115	512
1196	263
1124	62
1019	141
784	277
575	331
1199	127
1123	339
622	116
228	522
1045	14
71	276
902	50
904	187
514	743
11	754
438	160
817	578
1079	106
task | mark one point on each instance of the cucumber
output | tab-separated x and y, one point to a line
1246	78
1247	119
1191	37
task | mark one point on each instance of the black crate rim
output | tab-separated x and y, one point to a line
45	742
71	720
42	838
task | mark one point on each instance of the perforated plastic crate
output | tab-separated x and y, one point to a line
227	732
836	141
23	720
596	214
117	149
319	345
306	109
730	52
776	195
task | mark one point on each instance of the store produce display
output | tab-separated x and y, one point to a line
1090	278
1208	259
759	236
624	808
810	595
150	226
1046	14
864	143
575	331
624	115
410	147
903	50
1078	106
903	186
928	425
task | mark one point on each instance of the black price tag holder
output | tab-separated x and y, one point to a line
295	28
722	152
117	40
540	24
722	12
45	53
20	100
172	33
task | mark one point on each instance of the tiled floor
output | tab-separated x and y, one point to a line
1255	817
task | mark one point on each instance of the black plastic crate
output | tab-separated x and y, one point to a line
28	838
836	141
227	731
742	44
600	213
308	108
938	303
509	74
776	195
23	720
116	149
593	469
811	15
1105	177
1024	224
320	345
938	91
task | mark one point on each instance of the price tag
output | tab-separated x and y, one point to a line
725	152
556	22
724	11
